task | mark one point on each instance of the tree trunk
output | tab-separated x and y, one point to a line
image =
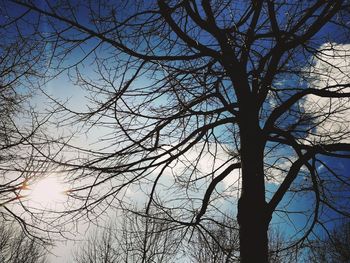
253	228
252	216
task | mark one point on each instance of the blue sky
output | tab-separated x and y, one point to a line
62	89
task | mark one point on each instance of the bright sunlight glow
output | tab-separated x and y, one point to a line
47	192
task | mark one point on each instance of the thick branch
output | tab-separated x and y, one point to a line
212	186
285	106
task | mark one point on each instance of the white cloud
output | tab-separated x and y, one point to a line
331	66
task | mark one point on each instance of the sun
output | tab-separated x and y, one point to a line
47	192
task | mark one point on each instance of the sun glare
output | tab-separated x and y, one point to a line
47	192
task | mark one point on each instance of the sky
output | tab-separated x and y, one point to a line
63	89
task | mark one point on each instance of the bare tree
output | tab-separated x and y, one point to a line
140	239
334	247
282	250
148	240
133	239
257	90
17	247
218	242
99	247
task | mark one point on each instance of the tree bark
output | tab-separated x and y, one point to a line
252	215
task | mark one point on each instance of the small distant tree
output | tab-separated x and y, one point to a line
138	239
17	247
282	250
334	247
215	242
132	239
219	242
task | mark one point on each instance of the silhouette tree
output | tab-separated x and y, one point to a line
148	240
132	239
196	101
334	247
216	243
16	247
219	242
